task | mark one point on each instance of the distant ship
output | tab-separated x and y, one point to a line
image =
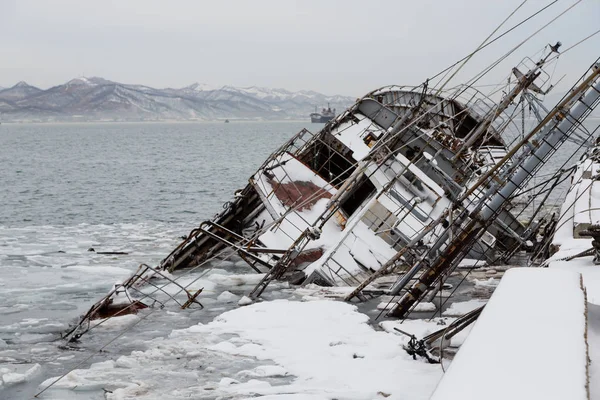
325	115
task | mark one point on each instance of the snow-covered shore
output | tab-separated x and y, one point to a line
273	350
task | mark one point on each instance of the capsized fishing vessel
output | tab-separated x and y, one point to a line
388	198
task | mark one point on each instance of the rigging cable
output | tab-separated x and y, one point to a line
478	48
494	40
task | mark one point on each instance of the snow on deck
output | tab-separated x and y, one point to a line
352	134
353	250
288	170
528	343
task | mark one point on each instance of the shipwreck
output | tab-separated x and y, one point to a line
388	198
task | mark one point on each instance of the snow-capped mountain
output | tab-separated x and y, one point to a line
101	99
20	91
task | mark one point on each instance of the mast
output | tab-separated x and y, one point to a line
524	81
566	116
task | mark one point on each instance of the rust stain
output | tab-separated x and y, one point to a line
307	256
300	194
109	310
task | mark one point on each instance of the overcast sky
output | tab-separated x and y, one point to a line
335	47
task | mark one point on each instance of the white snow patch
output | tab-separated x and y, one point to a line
463	307
245	301
528	342
235	279
491	282
228	297
298	337
469	263
12	378
265	371
326	348
424	307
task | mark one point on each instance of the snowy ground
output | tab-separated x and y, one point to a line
272	350
293	345
48	278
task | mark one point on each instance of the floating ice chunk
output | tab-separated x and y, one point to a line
39	349
296	336
34	337
103	365
228	382
245	301
487	283
227	297
118	323
385	305
12	378
225	347
235	279
265	371
252	386
127	362
462	308
468	263
425	307
421	307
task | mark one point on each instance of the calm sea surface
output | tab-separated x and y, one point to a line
119	173
68	174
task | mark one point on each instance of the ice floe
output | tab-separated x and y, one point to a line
312	350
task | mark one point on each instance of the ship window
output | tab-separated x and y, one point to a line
363	191
329	164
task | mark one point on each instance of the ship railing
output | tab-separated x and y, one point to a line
295	145
477	102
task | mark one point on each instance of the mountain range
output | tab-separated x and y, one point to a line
98	99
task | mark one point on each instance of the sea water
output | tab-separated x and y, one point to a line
128	187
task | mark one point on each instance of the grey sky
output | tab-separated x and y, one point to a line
335	47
